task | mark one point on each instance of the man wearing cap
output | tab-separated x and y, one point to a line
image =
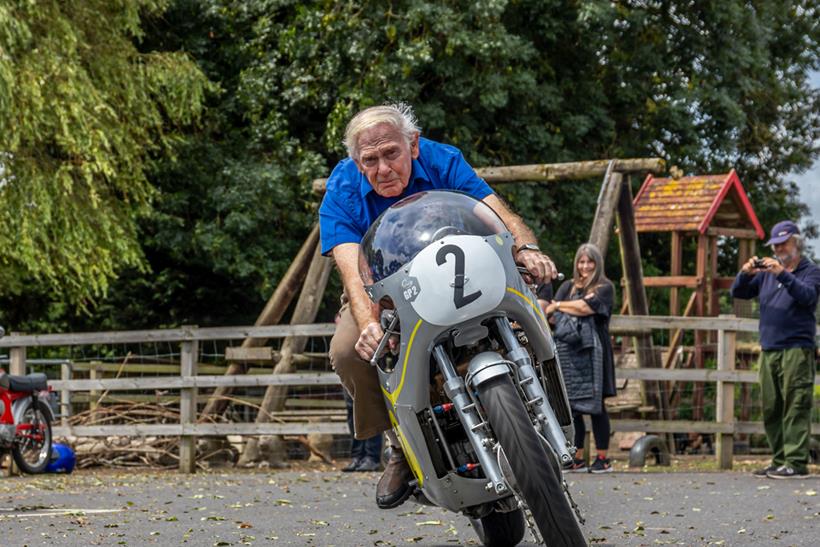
788	285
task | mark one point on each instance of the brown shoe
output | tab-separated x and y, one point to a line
394	486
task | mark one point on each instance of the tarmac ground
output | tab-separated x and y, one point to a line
322	506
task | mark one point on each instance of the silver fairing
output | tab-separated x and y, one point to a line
434	296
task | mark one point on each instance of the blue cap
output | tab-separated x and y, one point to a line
782	231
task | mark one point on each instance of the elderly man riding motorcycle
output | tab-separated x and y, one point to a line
388	161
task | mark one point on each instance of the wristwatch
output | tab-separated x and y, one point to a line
528	247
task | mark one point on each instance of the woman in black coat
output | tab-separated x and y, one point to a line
590	293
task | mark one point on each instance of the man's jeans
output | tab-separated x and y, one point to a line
371	448
787	389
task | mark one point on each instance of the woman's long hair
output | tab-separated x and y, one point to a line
598	277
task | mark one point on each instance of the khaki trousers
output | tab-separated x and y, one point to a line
787	390
359	379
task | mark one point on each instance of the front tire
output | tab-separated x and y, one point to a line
32	443
538	481
500	529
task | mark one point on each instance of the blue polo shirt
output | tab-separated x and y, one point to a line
787	304
350	205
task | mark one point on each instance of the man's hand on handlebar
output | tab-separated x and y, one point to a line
369	340
539	265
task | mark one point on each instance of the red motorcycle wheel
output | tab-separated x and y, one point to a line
32	442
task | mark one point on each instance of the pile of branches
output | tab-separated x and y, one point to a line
120	451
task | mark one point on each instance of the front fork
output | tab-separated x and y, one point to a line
536	398
474	425
34	430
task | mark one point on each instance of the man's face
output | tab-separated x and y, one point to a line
386	159
786	251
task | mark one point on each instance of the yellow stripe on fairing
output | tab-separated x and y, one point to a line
393	397
408	452
535	306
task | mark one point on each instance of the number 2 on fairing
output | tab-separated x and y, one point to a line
439	270
458	283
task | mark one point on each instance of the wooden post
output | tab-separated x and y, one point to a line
65	395
745	251
187	406
725	411
17	366
579	170
605	211
700	311
307	306
676	269
94	373
17	360
653	390
271	315
714	304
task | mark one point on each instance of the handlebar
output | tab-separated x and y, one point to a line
383	342
523	271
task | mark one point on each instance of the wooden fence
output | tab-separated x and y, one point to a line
189	382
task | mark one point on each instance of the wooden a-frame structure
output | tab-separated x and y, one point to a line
311	271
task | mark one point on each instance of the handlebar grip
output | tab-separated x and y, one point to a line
523	271
383	342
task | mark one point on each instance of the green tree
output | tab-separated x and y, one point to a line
705	85
230	212
83	114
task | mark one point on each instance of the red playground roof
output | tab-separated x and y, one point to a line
693	204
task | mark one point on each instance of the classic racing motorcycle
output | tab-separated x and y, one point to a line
472	385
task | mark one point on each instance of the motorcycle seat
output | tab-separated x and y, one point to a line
30	382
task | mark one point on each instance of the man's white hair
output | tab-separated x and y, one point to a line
799	242
399	115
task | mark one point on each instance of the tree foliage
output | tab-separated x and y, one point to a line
83	113
706	85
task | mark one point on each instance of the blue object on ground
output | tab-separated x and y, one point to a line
62	459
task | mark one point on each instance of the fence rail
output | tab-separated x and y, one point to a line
165	335
188	382
620	324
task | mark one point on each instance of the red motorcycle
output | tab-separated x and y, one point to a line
25	419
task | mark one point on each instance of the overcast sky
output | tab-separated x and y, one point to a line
809	183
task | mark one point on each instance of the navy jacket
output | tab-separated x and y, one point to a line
787	304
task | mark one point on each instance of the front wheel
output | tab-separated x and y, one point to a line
537	479
500	529
32	442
